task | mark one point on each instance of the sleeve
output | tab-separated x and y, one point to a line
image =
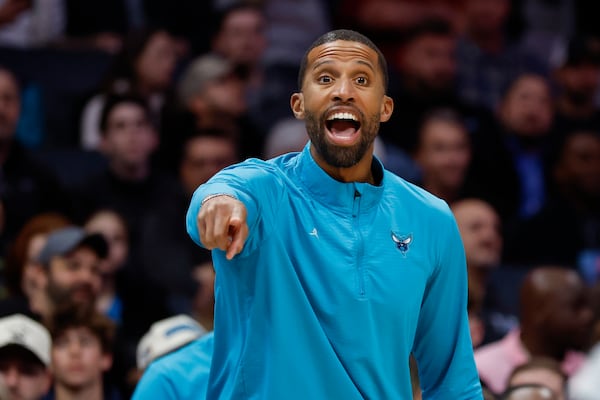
255	183
442	346
155	384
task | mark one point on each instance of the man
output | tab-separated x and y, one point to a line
305	306
556	321
181	374
82	343
71	269
24	358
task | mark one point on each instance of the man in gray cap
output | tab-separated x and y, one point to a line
71	273
24	358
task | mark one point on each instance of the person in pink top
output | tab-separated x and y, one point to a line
556	321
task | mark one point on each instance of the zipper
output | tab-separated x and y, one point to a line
360	248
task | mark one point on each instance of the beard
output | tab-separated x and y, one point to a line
341	156
62	297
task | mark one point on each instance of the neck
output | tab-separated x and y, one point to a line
131	172
93	391
360	172
207	321
537	346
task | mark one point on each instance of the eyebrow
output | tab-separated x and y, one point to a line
318	64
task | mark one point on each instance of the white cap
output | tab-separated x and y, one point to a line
23	331
165	336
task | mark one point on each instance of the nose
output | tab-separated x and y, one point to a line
343	90
10	377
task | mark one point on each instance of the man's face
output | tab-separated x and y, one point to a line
579	166
74	278
429	64
343	101
204	157
22	378
242	38
129	139
579	82
527	108
10	105
444	154
479	228
226	95
77	358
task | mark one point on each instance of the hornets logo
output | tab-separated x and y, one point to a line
402	241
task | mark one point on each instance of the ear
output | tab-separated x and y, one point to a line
297	104
387	107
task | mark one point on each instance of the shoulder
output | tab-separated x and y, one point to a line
415	197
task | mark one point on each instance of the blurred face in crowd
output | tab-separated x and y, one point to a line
129	139
77	358
204	299
527	109
443	154
113	228
156	63
242	37
429	63
567	314
579	82
579	166
75	277
203	157
530	393
22	375
226	95
484	17
343	102
30	282
10	105
479	227
541	376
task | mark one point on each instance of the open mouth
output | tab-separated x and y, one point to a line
342	126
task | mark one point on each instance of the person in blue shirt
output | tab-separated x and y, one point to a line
180	375
330	270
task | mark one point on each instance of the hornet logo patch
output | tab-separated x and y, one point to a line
402	241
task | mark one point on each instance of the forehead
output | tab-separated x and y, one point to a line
344	51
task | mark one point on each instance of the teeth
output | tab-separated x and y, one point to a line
342	115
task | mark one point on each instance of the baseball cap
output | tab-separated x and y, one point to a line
62	241
200	71
19	330
166	336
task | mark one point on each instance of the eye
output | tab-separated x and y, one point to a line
362	80
325	79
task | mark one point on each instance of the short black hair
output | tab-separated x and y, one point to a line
113	100
350	36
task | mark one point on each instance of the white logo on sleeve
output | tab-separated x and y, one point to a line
314	233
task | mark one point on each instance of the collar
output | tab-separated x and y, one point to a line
333	193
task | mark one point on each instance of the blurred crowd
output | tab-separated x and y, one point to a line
112	112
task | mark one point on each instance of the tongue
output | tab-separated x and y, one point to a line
343	128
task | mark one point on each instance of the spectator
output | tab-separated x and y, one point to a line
143	68
572	212
512	160
528	392
165	244
556	320
540	371
27	292
27	23
70	270
181	374
487	60
24	358
114	229
577	79
27	188
82	345
443	154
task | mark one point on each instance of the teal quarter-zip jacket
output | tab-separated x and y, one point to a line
336	285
